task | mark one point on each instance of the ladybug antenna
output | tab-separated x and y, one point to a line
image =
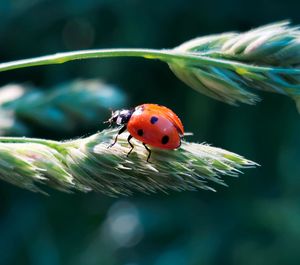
110	119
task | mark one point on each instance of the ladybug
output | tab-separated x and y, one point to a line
152	124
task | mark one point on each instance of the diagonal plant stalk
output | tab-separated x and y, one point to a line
223	66
87	164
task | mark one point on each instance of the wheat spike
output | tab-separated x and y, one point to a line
87	164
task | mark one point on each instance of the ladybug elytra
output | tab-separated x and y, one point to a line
152	124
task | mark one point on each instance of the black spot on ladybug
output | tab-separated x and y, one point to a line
165	139
153	120
140	132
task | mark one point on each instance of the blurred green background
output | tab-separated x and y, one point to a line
254	221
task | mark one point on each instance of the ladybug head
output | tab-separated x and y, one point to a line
120	117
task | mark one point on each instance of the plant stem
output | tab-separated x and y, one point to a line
167	56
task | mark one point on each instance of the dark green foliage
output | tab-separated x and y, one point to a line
66	109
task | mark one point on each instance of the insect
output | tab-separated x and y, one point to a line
152	124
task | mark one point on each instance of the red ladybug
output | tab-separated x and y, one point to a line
151	124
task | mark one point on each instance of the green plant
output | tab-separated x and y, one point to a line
24	109
222	66
87	164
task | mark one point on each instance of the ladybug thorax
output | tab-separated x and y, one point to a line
121	117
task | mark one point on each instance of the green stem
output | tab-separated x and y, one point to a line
63	57
167	56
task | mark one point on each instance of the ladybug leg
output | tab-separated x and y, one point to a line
131	145
123	129
149	152
179	143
